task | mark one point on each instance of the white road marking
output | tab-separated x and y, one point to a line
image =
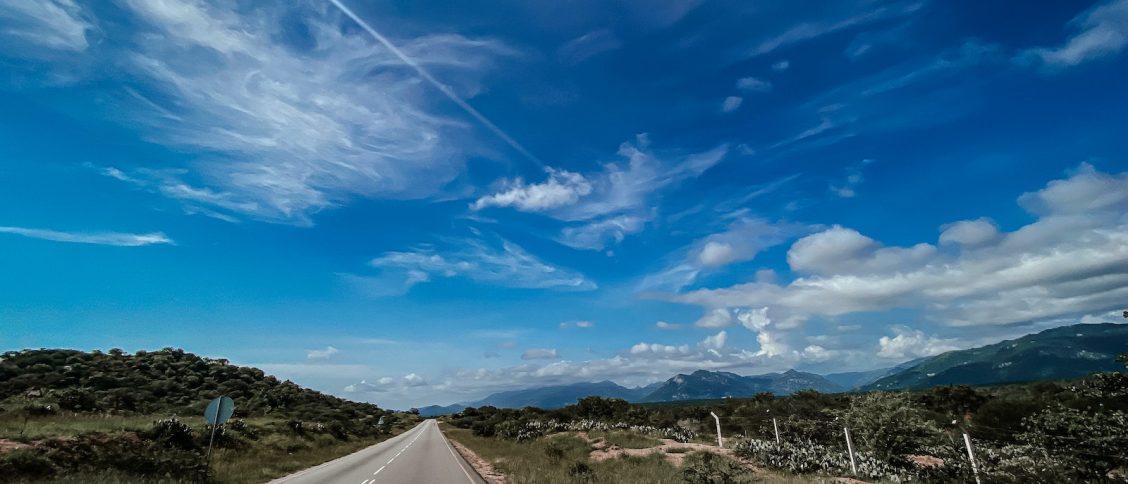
378	471
457	460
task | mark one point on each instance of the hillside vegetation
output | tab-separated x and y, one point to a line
1072	431
130	417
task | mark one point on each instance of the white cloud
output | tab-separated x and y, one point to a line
742	240
605	206
716	318
753	84
1100	32
499	262
816	353
562	188
969	233
848	188
322	355
414	380
715	342
588	45
807	30
667	326
910	343
95	238
659	350
731	103
365	387
577	324
602	233
539	354
1072	260
781	66
285	130
54	25
716	254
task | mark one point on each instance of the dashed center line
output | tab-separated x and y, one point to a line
378	470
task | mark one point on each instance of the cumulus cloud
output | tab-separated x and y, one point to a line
95	238
969	233
1072	260
659	349
913	343
495	261
414	380
714	342
286	129
322	355
539	354
731	103
716	318
1100	32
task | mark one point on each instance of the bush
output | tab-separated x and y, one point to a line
172	433
709	468
26	463
581	472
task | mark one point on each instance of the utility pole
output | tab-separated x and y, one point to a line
850	449
720	442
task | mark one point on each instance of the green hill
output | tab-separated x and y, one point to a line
1055	354
115	417
167	381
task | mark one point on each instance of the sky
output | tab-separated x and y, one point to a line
425	202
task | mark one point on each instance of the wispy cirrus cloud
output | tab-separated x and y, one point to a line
1100	32
118	239
48	25
605	206
493	261
588	45
281	129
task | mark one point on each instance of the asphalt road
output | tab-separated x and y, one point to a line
420	455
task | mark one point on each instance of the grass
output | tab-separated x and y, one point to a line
565	459
275	452
625	439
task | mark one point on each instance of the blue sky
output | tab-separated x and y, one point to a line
457	198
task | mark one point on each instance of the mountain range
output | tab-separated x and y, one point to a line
1060	353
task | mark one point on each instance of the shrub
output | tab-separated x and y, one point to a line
581	472
172	433
26	463
709	468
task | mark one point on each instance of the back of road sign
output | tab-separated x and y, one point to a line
219	410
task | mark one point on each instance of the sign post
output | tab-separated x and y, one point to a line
218	412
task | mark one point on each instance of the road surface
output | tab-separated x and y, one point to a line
420	455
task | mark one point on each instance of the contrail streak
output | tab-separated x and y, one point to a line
435	82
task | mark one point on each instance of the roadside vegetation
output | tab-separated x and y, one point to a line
1060	432
114	417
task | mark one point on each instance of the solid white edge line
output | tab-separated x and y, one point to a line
457	459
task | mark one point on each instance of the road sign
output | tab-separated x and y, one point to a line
219	410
